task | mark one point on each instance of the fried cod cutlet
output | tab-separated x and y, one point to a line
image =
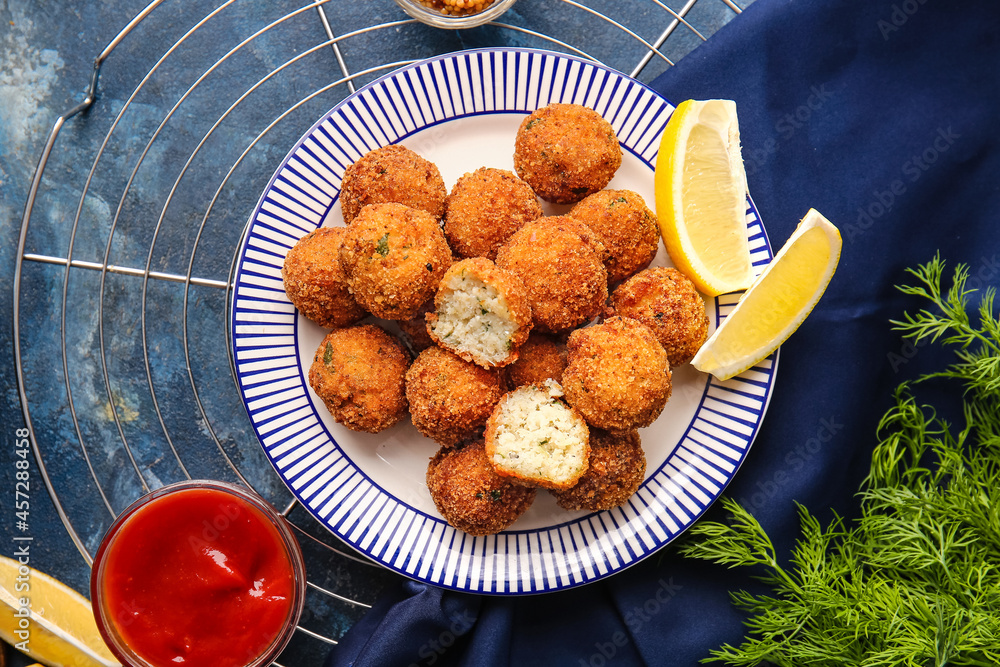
450	399
563	272
359	374
470	495
617	374
392	174
393	258
566	152
484	208
625	225
414	330
481	313
534	437
314	282
617	469
541	358
667	302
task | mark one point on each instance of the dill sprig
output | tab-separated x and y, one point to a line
915	580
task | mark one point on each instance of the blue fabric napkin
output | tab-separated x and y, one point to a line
881	114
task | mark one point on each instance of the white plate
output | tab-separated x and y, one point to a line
461	112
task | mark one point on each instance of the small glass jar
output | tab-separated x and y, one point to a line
200	566
432	17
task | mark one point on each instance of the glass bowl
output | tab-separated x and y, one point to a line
186	565
438	19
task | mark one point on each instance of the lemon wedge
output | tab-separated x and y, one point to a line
777	303
48	620
701	196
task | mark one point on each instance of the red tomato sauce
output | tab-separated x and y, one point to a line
198	578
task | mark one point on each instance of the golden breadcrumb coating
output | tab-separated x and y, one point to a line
535	438
484	208
625	225
393	258
566	152
414	330
314	282
450	398
667	302
392	174
617	374
481	313
563	273
617	469
540	358
586	234
470	495
359	374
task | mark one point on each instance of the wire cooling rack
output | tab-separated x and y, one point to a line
126	252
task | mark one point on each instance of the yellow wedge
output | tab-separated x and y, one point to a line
777	303
701	196
52	623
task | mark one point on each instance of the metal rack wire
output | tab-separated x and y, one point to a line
189	109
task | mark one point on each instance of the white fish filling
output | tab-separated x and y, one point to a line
538	438
473	317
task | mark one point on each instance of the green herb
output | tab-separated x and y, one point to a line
616	201
479	495
328	354
383	245
915	580
494	495
531	123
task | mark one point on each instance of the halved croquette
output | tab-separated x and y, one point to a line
481	313
536	438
